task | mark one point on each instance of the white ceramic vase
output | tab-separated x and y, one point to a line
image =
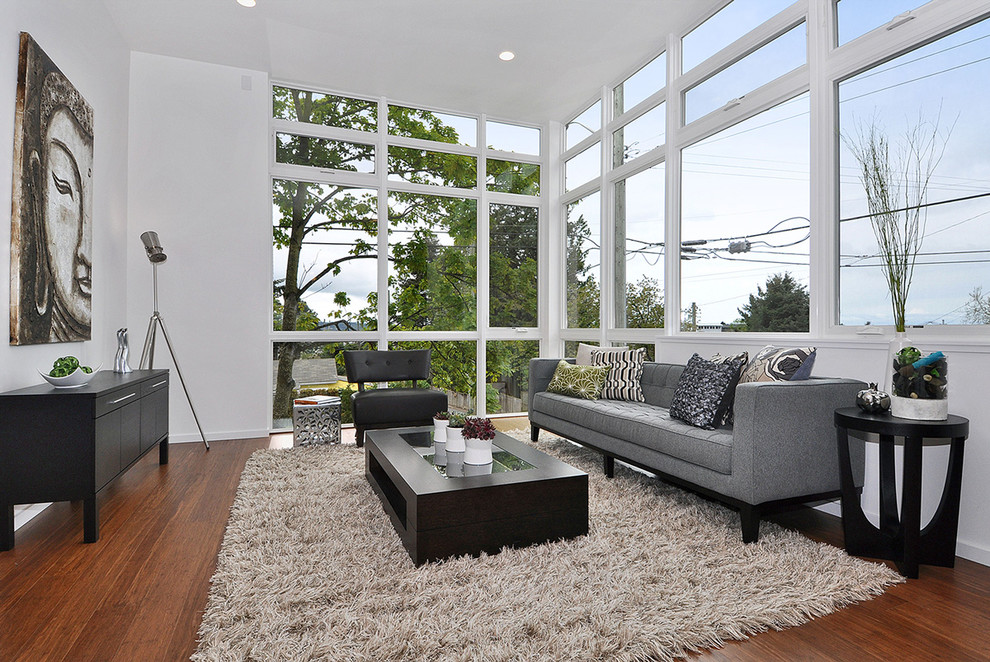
455	440
440	430
919	409
477	451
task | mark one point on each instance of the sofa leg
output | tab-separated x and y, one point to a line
359	436
534	432
749	517
609	466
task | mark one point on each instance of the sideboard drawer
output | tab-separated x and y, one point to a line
117	399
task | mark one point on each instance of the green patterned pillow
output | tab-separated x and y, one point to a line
578	381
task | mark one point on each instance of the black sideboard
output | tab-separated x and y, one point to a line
69	444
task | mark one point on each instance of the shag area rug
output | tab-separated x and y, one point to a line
311	569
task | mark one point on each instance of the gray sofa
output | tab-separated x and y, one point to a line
780	450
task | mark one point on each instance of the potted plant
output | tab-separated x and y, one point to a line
478	434
440	422
455	426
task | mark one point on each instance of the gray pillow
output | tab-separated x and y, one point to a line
704	391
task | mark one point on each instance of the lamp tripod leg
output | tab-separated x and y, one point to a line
148	353
168	343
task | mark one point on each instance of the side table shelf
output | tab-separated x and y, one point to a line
69	444
899	537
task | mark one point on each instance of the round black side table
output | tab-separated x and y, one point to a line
899	537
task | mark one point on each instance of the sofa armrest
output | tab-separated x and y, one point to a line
784	441
540	374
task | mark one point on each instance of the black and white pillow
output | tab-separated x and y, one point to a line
741	359
584	351
779	364
625	371
704	391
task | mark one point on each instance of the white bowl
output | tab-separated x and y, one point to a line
77	378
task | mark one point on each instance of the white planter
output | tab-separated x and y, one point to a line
440	430
455	442
919	409
477	469
477	451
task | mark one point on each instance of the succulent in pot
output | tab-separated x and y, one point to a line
478	434
455	442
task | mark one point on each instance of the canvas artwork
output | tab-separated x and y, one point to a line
51	236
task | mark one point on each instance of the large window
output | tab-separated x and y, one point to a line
857	17
745	225
585	124
326	236
922	115
731	23
513	238
583	259
362	258
639	238
651	78
781	55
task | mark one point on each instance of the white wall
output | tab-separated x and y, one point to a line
198	175
81	39
865	359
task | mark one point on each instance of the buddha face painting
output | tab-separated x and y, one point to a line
51	228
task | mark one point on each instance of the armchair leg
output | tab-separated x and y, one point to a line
534	432
359	436
749	517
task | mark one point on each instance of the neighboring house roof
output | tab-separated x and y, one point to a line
310	371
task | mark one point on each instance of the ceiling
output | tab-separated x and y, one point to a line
437	53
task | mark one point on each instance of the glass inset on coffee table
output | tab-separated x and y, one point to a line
522	498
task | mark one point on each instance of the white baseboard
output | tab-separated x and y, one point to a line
964	549
193	437
25	513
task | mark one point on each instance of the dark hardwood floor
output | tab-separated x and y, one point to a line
138	594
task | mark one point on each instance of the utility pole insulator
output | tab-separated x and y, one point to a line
742	246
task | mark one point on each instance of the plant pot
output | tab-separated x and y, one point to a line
919	409
440	430
477	451
455	442
477	469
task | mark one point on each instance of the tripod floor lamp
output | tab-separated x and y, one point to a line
153	246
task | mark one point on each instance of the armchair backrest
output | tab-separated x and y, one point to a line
368	365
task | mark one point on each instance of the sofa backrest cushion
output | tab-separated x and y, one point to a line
659	381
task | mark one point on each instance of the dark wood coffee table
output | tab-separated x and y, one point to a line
529	497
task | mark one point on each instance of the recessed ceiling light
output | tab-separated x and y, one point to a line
505	56
246	3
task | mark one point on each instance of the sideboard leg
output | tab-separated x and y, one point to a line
91	519
7	522
163	451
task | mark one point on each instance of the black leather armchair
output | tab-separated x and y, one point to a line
391	407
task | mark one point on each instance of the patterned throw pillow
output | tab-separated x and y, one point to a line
779	364
584	352
625	368
704	391
742	358
577	381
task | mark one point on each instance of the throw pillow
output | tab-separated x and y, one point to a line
585	350
704	391
625	368
742	358
577	381
779	364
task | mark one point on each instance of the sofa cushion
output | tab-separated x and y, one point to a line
625	369
742	358
584	352
779	364
704	392
645	425
577	381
